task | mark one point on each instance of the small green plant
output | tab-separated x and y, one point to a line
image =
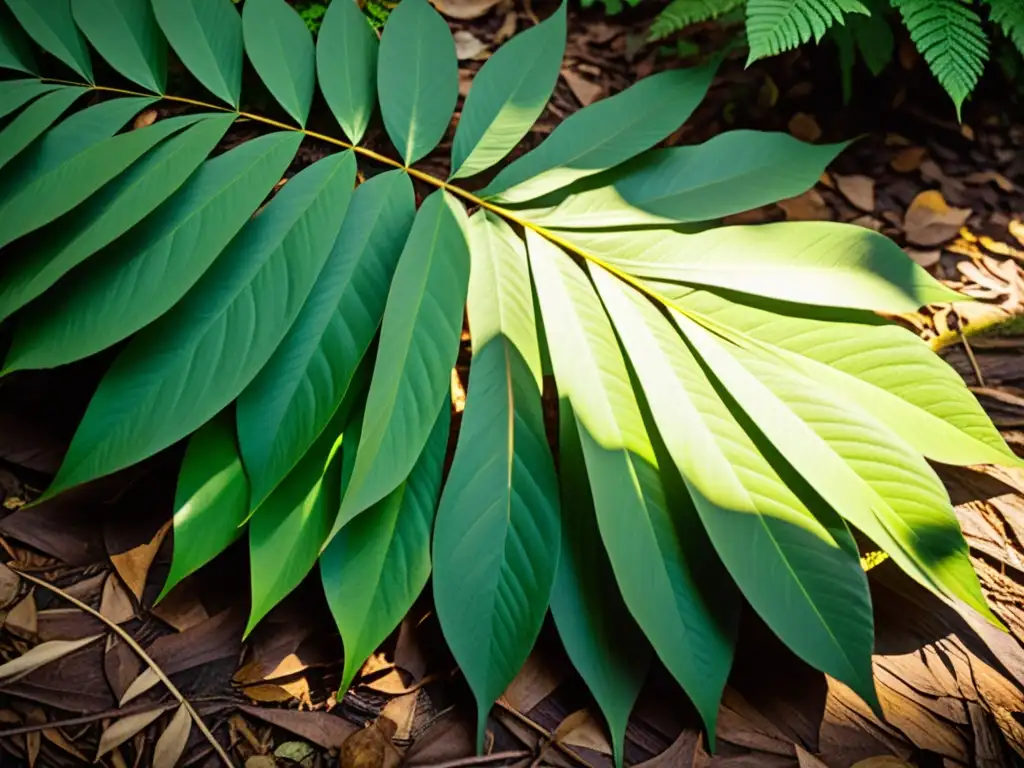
729	404
948	33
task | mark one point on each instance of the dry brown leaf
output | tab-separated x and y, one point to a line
806	760
23	619
755	216
401	710
34	740
804	127
41	655
984	177
181	609
908	159
859	190
261	761
320	728
924	258
468	46
584	90
882	761
931	221
121	665
537	680
267	693
582	729
56	738
1016	229
115	602
810	206
371	747
140	685
133	565
507	28
10	585
681	754
123	729
171	744
465	9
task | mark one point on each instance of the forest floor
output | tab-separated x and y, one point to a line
950	686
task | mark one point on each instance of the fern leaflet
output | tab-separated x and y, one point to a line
949	35
774	26
1009	14
680	14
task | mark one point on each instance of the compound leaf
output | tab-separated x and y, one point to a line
284	409
376	567
774	26
662	570
280	48
496	539
109	213
417	78
419	341
143	275
604	134
15	46
33	120
126	34
210	502
183	369
50	23
16	93
507	96
346	64
207	36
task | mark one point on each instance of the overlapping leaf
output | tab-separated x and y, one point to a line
281	50
28	124
346	65
126	34
51	24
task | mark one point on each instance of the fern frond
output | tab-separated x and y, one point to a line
680	14
949	35
774	26
1009	15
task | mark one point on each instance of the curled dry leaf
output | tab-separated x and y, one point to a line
171	744
41	655
465	9
123	729
930	220
859	190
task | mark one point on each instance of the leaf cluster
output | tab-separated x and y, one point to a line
730	407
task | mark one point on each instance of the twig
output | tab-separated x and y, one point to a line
133	709
543	732
465	762
130	642
974	361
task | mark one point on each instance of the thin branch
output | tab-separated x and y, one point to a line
130	642
467	762
543	732
134	709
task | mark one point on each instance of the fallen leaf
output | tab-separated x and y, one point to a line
810	206
267	693
1016	229
181	609
121	665
985	177
465	9
883	761
859	190
537	680
56	738
507	28
140	685
924	258
401	710
931	221
806	760
449	737
582	729
133	565
868	222
23	620
147	118
10	585
124	729
34	740
804	127
172	742
680	755
371	747
320	728
261	761
909	159
966	131
115	603
1000	248
468	45
408	653
584	90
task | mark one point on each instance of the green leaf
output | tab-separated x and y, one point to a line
126	34
207	36
280	48
419	341
733	172
509	93
210	502
775	26
192	362
667	579
874	39
1009	15
33	120
417	78
377	566
50	23
815	262
679	14
108	214
604	134
864	471
805	583
294	396
141	276
599	634
884	369
496	539
346	65
15	47
57	190
15	93
289	529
